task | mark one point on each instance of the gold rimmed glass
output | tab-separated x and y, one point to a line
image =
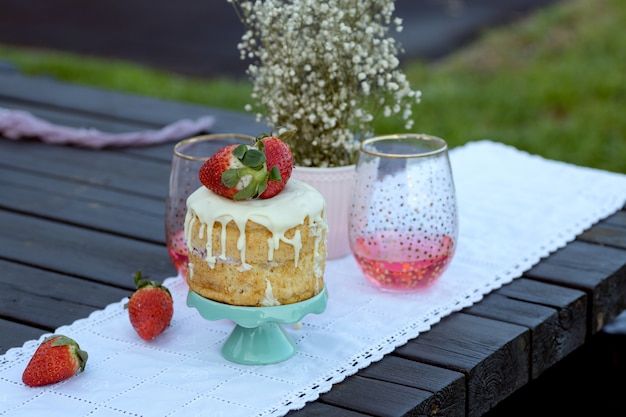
189	155
403	223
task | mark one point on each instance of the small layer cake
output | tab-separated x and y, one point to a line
258	252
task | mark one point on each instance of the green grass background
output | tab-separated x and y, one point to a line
553	83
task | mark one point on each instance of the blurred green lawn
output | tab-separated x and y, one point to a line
553	84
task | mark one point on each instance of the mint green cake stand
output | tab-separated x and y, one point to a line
258	337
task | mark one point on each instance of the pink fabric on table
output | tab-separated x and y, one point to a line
17	124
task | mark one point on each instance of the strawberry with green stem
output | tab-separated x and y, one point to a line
279	158
150	307
57	358
242	172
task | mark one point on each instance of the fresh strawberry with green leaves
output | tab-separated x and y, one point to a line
57	358
231	170
241	172
278	157
150	307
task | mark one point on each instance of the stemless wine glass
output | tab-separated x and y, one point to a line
403	223
189	155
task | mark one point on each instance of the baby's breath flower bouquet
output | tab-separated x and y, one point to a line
326	69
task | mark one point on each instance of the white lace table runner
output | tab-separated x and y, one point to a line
514	208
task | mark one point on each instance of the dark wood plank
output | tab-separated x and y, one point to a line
599	271
71	250
90	206
448	387
618	219
49	300
554	340
108	169
374	397
493	355
555	316
611	231
78	119
319	409
16	334
82	100
439	391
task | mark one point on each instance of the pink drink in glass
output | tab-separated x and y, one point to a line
398	264
177	248
403	223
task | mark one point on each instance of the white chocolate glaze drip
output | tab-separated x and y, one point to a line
278	214
269	300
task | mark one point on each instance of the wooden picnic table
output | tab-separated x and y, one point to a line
75	224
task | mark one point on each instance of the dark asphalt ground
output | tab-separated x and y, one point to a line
199	37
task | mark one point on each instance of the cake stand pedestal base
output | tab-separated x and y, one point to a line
258	337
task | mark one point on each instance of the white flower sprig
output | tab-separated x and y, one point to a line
326	69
